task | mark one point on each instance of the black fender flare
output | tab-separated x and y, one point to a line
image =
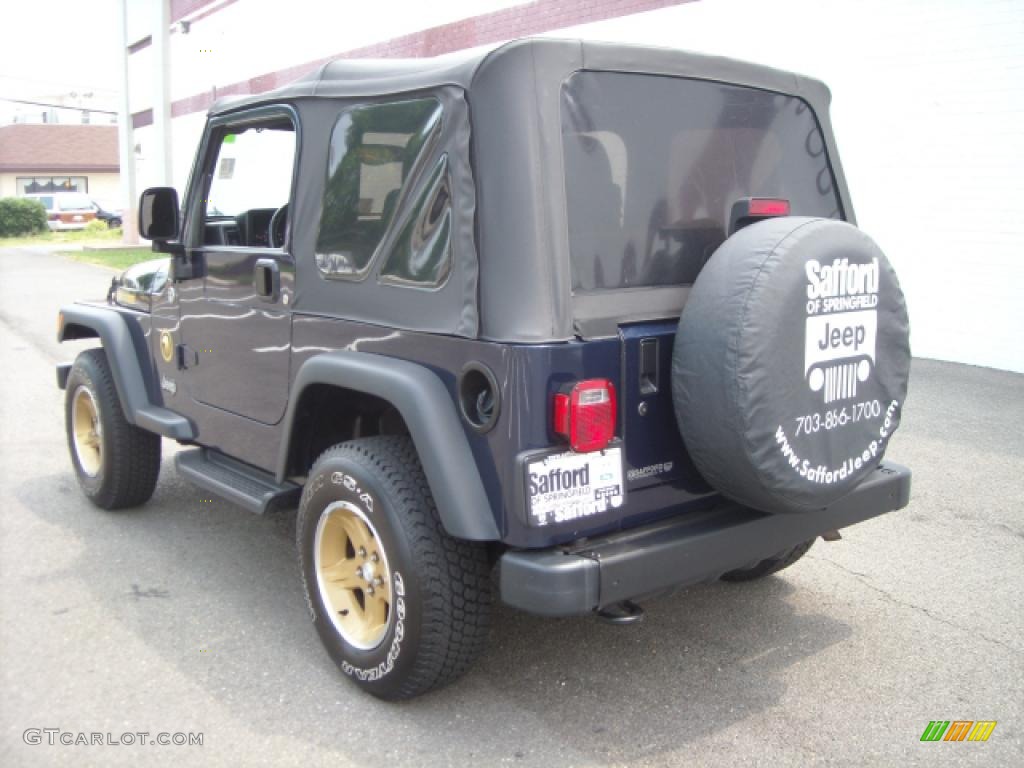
429	413
80	321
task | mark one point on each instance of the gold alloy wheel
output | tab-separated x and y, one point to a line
352	575
87	431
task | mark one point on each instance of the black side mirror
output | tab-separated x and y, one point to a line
158	214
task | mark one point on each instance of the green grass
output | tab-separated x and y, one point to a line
55	238
106	256
117	258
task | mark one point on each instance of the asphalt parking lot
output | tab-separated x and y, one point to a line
188	616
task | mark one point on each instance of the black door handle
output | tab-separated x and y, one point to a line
648	366
267	279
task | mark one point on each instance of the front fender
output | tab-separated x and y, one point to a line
80	321
429	413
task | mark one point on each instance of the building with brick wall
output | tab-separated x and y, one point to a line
59	158
928	106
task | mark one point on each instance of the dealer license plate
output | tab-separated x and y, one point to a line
569	486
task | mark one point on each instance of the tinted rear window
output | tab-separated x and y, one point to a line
654	165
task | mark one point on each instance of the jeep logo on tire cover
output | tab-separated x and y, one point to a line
839	344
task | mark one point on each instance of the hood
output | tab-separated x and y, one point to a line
135	287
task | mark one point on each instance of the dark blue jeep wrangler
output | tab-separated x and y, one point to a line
587	322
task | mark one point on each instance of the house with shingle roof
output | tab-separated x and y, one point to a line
40	158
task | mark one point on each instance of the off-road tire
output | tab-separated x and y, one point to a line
770	565
442	583
130	457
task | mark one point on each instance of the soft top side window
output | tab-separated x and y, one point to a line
421	253
378	153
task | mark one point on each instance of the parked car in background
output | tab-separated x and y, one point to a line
66	210
110	216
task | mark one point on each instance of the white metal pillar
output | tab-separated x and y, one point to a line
161	144
126	141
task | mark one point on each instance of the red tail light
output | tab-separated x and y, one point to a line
586	415
747	210
763	206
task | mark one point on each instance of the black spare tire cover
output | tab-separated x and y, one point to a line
790	364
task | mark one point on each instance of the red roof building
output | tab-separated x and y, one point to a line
54	157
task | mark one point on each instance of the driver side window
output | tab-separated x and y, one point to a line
250	185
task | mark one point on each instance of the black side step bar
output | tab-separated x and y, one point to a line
246	486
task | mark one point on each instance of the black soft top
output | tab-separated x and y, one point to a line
503	139
357	78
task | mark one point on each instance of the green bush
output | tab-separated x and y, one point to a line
96	226
21	216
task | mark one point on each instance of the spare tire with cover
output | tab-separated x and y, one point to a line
791	362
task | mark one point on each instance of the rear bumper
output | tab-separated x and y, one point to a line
565	581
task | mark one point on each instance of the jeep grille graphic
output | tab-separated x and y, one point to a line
840	382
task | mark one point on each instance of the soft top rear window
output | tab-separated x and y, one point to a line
653	165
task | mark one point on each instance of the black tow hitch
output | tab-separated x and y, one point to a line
626	612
